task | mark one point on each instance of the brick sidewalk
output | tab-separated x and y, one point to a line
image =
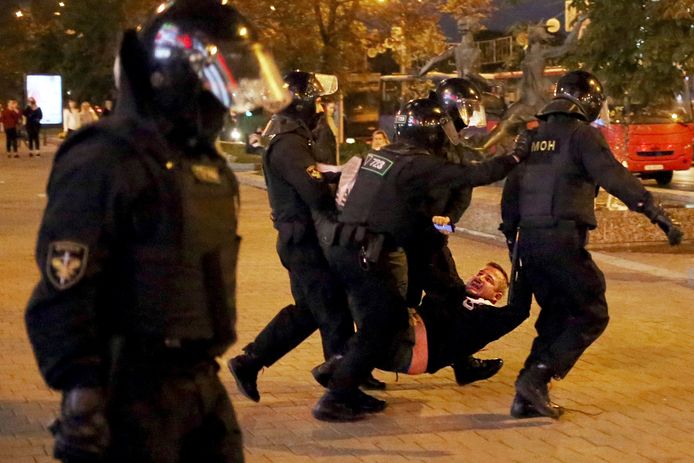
631	396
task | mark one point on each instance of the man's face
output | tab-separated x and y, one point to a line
486	285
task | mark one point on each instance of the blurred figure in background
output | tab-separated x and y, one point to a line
71	118
379	139
87	114
33	116
11	120
107	109
325	134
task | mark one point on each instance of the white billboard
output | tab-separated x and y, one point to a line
47	90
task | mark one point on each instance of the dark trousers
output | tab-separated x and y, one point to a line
570	290
11	139
171	412
320	303
431	270
378	309
33	138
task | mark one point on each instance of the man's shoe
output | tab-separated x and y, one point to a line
337	408
323	372
472	369
522	408
532	386
245	370
367	403
372	384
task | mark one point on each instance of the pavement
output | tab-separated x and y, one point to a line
630	398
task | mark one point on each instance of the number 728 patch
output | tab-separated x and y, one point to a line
377	164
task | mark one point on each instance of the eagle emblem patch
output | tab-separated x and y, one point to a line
314	173
66	263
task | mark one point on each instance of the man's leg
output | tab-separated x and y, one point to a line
570	289
320	303
379	312
289	328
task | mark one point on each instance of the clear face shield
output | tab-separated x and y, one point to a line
450	131
472	113
603	119
241	75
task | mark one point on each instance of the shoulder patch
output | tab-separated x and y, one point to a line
206	174
66	263
314	173
377	164
545	146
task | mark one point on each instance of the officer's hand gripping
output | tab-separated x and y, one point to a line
81	432
522	148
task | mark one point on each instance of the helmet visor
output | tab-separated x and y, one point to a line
471	112
244	77
240	73
450	131
603	118
328	82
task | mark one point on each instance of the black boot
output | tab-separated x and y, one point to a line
323	372
532	386
367	403
372	384
472	369
244	368
338	407
522	408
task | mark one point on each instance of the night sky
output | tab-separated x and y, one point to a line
507	15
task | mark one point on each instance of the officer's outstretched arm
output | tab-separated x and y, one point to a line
601	164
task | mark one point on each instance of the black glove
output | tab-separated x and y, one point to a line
81	432
522	148
671	228
659	217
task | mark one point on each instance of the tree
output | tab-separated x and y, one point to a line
333	36
645	53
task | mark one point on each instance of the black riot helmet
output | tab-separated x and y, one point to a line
203	57
461	100
306	88
579	94
425	124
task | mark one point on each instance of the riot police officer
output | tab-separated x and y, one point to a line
297	193
389	206
138	247
550	199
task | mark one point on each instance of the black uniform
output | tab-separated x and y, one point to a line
137	251
296	190
456	327
551	198
391	203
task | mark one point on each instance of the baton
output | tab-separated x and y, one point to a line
515	267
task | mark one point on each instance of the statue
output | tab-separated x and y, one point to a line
535	88
466	55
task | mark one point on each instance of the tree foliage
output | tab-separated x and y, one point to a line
334	36
640	48
77	40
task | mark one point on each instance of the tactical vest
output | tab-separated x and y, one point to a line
174	273
554	185
375	201
285	202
